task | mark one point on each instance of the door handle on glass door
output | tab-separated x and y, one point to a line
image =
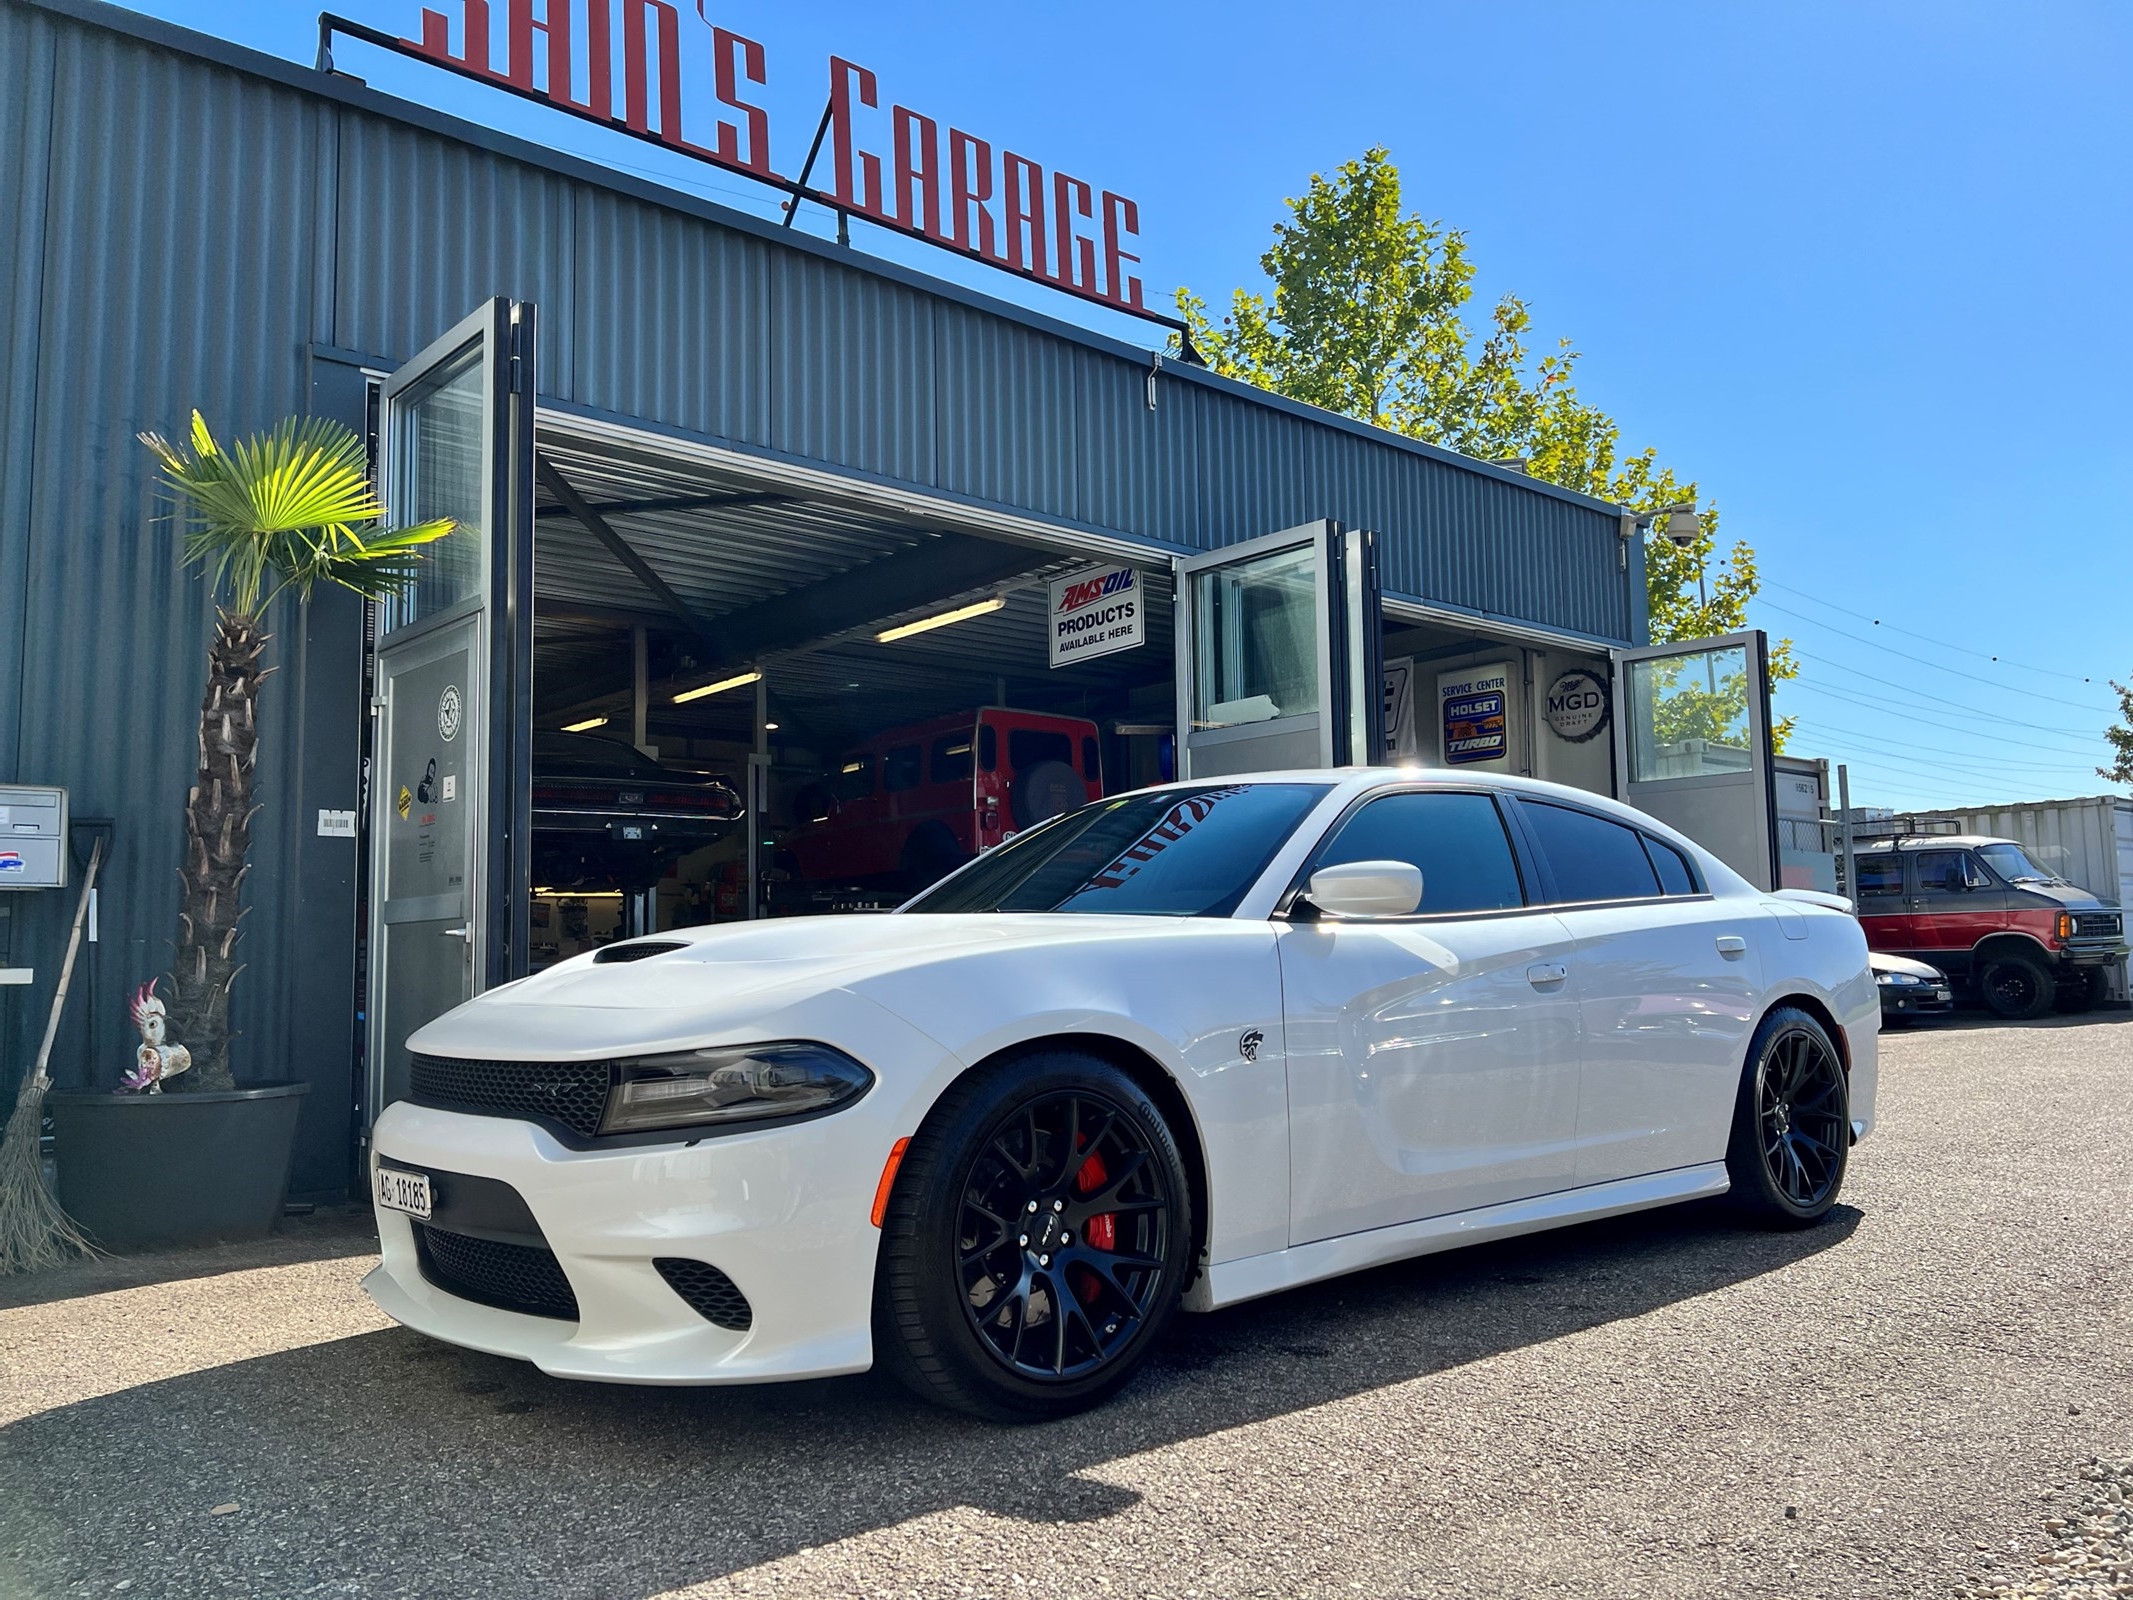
464	931
1732	946
1544	973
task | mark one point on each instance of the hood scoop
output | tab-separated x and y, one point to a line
636	950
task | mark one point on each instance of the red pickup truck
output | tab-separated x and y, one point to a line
1984	912
911	805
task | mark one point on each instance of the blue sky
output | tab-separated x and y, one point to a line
1858	268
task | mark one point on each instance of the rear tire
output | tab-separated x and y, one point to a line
966	1315
1792	1124
2016	986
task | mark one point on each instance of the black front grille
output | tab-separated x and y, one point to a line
511	1277
710	1293
571	1094
2097	925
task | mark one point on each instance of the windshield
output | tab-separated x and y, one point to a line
1171	853
2012	862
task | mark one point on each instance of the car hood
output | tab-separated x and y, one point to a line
737	974
2070	895
1882	962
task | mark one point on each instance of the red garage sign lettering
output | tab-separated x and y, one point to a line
628	64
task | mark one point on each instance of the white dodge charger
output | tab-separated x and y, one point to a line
1173	1049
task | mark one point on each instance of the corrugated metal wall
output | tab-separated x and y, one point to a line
187	224
170	212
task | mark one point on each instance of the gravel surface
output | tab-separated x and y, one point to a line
2090	1555
1893	1404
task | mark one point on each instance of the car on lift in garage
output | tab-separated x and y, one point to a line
606	816
1985	913
909	806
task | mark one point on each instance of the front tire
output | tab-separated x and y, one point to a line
1061	1150
2081	993
1792	1131
2016	986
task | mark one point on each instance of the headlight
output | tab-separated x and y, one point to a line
1906	979
731	1083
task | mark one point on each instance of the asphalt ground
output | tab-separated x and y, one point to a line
1663	1405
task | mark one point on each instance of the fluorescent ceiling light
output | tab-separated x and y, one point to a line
927	624
723	684
589	722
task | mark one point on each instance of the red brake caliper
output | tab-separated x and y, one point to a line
1100	1231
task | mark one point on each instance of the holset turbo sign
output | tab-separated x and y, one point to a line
1097	612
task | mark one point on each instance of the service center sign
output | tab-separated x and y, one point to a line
1472	702
1097	613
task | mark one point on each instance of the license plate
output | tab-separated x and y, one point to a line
404	1191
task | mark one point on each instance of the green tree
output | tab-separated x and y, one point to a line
275	513
1367	317
2120	737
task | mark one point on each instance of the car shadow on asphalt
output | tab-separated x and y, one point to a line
323	1235
390	1462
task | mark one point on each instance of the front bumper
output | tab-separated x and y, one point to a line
1921	1000
2092	952
783	1212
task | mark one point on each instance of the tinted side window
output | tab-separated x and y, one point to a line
1091	763
1880	875
900	768
1941	871
1673	867
1457	841
1028	746
951	757
989	747
1592	858
855	778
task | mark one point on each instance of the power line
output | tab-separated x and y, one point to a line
2049	672
1953	705
1921	715
1875	644
1826	729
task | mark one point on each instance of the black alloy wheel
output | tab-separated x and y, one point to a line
2016	986
1036	1240
1792	1123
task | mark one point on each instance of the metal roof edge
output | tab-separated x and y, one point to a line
361	97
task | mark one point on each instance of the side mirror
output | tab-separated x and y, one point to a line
1366	889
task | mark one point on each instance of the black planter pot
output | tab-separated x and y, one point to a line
159	1171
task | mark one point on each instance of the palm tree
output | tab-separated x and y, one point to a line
276	512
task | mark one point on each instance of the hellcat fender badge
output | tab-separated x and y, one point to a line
1248	1046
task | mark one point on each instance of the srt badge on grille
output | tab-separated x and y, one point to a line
1248	1046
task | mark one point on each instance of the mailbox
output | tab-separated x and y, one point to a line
33	838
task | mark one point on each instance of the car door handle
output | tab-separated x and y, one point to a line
1544	973
1732	946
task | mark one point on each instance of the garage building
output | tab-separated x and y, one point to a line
776	513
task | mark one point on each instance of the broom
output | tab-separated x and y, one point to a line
34	1232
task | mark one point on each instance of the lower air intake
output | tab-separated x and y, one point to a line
710	1293
510	1277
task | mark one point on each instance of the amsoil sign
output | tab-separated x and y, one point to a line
1095	613
896	166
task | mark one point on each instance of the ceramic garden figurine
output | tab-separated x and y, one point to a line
157	1059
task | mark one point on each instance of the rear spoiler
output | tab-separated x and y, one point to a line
1815	897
